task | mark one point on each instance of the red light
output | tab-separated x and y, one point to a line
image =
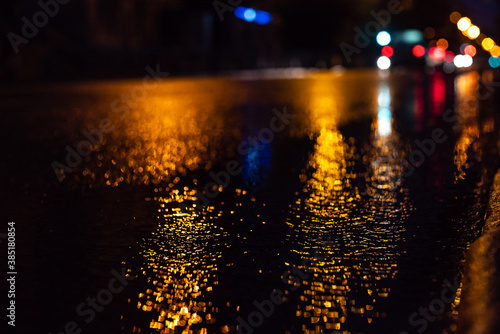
418	51
450	55
387	51
437	53
470	50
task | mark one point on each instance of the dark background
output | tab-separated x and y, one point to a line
97	39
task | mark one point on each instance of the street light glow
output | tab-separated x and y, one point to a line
462	61
383	38
442	43
383	63
473	32
463	24
487	44
495	51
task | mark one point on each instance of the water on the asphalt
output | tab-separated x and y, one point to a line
335	203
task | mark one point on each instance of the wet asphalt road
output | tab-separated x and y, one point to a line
334	203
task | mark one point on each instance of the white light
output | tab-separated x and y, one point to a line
467	60
383	63
384	122
383	38
384	97
462	61
384	112
458	61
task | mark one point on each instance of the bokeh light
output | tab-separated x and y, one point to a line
487	44
252	15
455	16
463	24
442	43
418	51
495	51
467	60
249	14
494	61
239	11
429	32
470	50
437	53
412	36
458	61
387	51
463	61
448	67
383	63
383	38
450	55
473	32
263	17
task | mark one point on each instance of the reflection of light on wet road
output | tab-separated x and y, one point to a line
437	93
169	133
256	162
180	268
467	112
347	226
348	236
384	112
